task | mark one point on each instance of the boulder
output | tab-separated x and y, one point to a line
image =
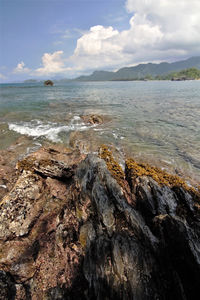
92	119
48	82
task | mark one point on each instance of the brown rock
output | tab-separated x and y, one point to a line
92	119
69	230
8	160
48	82
55	162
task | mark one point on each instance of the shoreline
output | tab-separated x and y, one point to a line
22	149
135	127
113	80
71	220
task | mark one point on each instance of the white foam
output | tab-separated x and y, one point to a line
97	129
48	130
76	118
3	186
115	135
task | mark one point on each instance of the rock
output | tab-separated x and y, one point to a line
7	287
182	250
92	119
77	226
48	82
79	140
51	163
8	160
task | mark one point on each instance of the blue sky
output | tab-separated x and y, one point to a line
66	38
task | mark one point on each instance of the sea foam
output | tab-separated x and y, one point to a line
49	130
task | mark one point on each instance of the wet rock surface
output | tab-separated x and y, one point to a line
93	119
76	226
8	160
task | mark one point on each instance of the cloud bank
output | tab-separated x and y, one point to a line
158	30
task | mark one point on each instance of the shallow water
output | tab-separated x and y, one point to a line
158	122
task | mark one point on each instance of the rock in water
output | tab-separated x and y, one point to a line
77	227
92	119
48	82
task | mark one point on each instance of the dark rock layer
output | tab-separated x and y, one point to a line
70	230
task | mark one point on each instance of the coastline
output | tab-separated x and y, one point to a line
71	219
100	150
85	143
154	124
23	148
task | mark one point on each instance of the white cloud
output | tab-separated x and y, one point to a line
159	30
21	68
52	64
178	20
97	47
97	41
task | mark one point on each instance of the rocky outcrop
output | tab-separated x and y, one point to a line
48	82
79	227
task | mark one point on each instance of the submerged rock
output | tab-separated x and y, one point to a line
92	119
79	227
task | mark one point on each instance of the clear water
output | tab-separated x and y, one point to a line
158	122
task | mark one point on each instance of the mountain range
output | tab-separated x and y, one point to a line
143	70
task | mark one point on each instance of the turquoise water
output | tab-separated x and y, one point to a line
158	122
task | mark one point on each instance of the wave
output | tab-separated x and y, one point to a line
49	130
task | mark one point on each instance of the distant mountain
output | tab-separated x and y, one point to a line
63	80
98	76
142	71
30	81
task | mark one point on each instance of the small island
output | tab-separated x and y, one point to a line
48	82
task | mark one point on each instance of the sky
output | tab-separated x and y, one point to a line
44	39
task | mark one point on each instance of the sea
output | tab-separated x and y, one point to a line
157	122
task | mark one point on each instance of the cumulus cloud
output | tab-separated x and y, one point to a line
158	30
96	41
21	68
52	63
96	47
178	20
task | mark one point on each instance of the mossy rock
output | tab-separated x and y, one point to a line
134	170
112	165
